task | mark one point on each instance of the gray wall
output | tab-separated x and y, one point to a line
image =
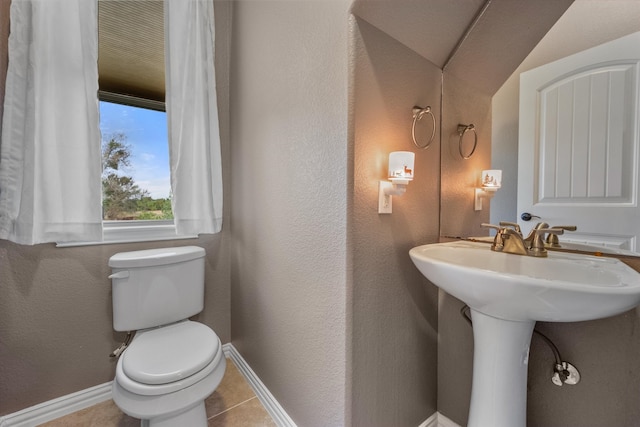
290	184
55	303
394	307
462	103
4	36
313	286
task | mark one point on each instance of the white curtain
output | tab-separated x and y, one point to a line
50	159
192	114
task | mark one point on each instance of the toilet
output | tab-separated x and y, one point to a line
172	364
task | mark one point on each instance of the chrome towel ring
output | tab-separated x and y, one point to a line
462	129
418	112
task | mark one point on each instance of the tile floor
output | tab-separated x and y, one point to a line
232	404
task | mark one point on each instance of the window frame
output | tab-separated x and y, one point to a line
131	231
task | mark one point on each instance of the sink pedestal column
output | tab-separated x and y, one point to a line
500	362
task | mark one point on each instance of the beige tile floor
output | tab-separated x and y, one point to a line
232	404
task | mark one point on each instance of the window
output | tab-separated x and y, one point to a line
136	186
136	178
135	159
65	203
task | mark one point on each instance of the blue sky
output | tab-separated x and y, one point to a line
146	132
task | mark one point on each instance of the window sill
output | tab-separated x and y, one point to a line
133	232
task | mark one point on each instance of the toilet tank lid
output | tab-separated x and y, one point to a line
152	257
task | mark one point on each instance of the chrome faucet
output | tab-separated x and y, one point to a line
509	238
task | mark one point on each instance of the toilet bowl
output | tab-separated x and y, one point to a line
172	364
166	380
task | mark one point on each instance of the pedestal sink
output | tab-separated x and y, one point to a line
507	294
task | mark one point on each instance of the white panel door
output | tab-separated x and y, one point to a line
579	144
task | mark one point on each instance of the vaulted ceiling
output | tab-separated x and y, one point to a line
479	41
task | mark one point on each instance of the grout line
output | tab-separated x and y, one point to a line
234	406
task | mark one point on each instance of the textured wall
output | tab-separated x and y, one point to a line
326	307
394	306
461	103
483	62
55	317
4	35
55	303
605	351
289	183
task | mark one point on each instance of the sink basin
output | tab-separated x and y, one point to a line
563	287
507	294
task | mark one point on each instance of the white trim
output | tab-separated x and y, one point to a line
280	417
438	420
432	421
65	405
59	407
133	231
445	422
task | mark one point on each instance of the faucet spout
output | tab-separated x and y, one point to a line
513	243
532	234
509	239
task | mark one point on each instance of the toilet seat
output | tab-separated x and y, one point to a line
168	354
168	359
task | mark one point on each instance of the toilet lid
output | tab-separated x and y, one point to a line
170	353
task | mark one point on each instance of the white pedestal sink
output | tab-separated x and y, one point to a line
507	294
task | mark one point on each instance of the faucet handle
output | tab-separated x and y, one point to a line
487	225
513	225
537	246
498	241
552	239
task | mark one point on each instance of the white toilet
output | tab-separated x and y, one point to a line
172	364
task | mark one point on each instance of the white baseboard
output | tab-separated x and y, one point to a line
65	405
59	407
276	411
279	415
438	420
432	421
445	422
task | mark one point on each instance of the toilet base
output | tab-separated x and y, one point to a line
196	416
182	408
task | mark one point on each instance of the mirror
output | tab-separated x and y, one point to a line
584	25
491	49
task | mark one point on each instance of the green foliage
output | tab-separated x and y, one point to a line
148	208
122	198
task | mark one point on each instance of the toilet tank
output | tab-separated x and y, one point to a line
157	286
